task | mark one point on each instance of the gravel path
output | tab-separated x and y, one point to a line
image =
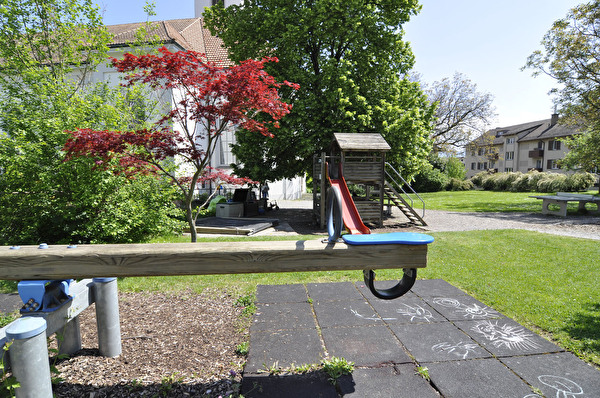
437	220
576	226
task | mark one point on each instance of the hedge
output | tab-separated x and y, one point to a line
533	181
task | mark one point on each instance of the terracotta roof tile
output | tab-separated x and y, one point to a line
188	33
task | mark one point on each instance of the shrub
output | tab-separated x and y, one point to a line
456	184
533	181
580	181
552	182
430	180
478	178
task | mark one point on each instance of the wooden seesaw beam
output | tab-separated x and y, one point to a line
128	260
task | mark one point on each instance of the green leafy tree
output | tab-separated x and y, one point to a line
571	55
351	63
48	48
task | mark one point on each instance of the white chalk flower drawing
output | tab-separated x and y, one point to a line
506	336
564	387
474	311
460	349
416	312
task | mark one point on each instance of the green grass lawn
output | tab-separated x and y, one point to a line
485	201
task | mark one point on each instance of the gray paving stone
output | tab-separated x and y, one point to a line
292	386
436	288
557	375
284	348
399	381
281	294
457	308
505	337
406	310
479	378
385	284
320	292
283	316
364	345
435	342
345	313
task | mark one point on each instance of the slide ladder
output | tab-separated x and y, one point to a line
394	191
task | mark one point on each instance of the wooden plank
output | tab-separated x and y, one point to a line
58	262
361	142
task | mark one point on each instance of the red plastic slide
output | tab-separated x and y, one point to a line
352	220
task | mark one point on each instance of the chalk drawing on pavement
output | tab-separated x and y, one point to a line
506	336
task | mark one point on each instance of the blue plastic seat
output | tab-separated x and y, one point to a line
392	238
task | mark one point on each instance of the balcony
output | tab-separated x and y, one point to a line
536	153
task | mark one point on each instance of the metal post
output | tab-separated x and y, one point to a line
29	357
71	337
107	316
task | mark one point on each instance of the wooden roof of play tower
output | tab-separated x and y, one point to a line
361	142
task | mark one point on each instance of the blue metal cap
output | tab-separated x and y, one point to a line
15	247
43	246
26	327
103	280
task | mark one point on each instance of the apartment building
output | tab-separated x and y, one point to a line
522	147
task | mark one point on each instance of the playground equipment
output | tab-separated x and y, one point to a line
342	213
28	354
363	158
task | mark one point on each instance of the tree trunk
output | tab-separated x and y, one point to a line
190	219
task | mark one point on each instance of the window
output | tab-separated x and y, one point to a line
554	145
224	149
509	155
538	164
552	165
508	169
485	166
540	144
473	166
510	140
480	152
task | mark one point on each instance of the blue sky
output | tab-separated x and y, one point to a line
486	40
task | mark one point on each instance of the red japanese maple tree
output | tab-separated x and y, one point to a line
209	100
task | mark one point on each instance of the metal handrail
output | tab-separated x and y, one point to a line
400	186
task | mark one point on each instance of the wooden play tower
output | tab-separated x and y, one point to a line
362	158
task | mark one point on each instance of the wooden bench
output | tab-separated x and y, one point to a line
85	261
561	199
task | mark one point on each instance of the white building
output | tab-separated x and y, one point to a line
182	35
523	147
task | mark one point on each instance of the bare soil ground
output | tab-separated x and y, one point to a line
173	345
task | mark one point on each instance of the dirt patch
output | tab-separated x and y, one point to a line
173	345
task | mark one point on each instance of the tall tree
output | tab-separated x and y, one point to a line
461	112
350	61
571	55
211	99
